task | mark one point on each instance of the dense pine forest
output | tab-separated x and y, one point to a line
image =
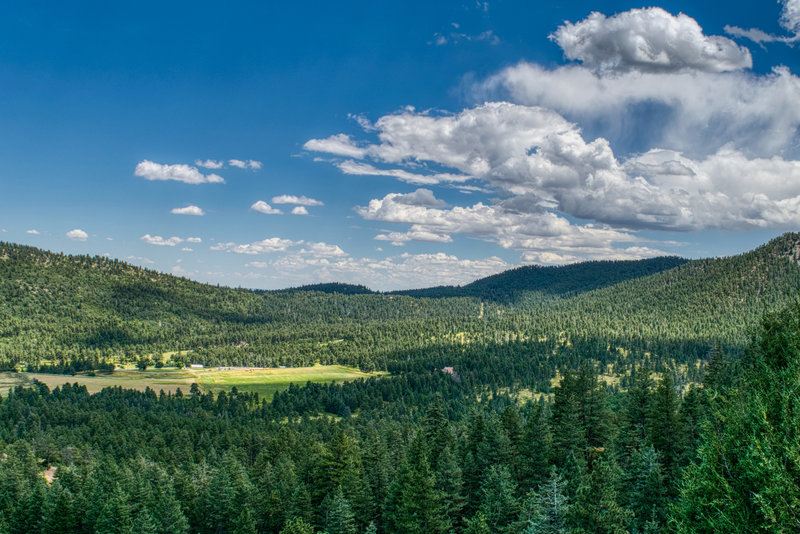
641	397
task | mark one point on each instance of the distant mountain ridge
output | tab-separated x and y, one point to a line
57	306
561	281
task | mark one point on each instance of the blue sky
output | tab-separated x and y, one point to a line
396	145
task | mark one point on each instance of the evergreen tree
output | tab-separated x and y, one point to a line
415	505
666	432
534	454
746	478
597	507
339	517
648	490
498	499
547	509
297	525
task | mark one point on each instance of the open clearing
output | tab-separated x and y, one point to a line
265	382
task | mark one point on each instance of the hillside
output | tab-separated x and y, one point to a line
61	307
556	281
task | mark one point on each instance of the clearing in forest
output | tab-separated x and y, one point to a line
264	381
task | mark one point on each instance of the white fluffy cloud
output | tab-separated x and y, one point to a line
365	169
193	240
245	164
299	210
160	241
339	145
32	231
520	225
299	201
540	160
179	172
77	235
188	210
396	272
266	246
649	40
209	164
698	113
263	207
790	20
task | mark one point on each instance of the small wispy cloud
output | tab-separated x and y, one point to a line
262	207
299	201
32	231
245	164
209	164
180	172
188	210
160	241
441	39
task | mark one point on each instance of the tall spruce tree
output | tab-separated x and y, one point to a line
747	478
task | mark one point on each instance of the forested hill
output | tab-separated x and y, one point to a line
560	281
65	308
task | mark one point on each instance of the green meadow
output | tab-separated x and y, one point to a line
265	382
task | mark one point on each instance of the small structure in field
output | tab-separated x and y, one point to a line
195	366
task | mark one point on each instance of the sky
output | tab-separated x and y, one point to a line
397	145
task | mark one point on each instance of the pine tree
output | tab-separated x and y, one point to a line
477	524
339	517
547	509
450	485
746	478
497	499
415	504
648	491
597	507
666	433
534	451
297	525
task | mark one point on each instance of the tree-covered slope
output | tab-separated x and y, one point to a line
60	307
511	285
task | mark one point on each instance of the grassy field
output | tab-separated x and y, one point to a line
263	381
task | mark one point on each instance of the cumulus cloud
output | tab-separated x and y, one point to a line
397	272
649	40
790	21
77	235
365	169
339	145
263	207
533	231
32	231
300	201
399	239
266	246
790	18
179	172
209	164
698	113
299	210
193	240
322	250
542	163
160	241
188	210
140	259
242	164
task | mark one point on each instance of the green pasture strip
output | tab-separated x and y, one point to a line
265	382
